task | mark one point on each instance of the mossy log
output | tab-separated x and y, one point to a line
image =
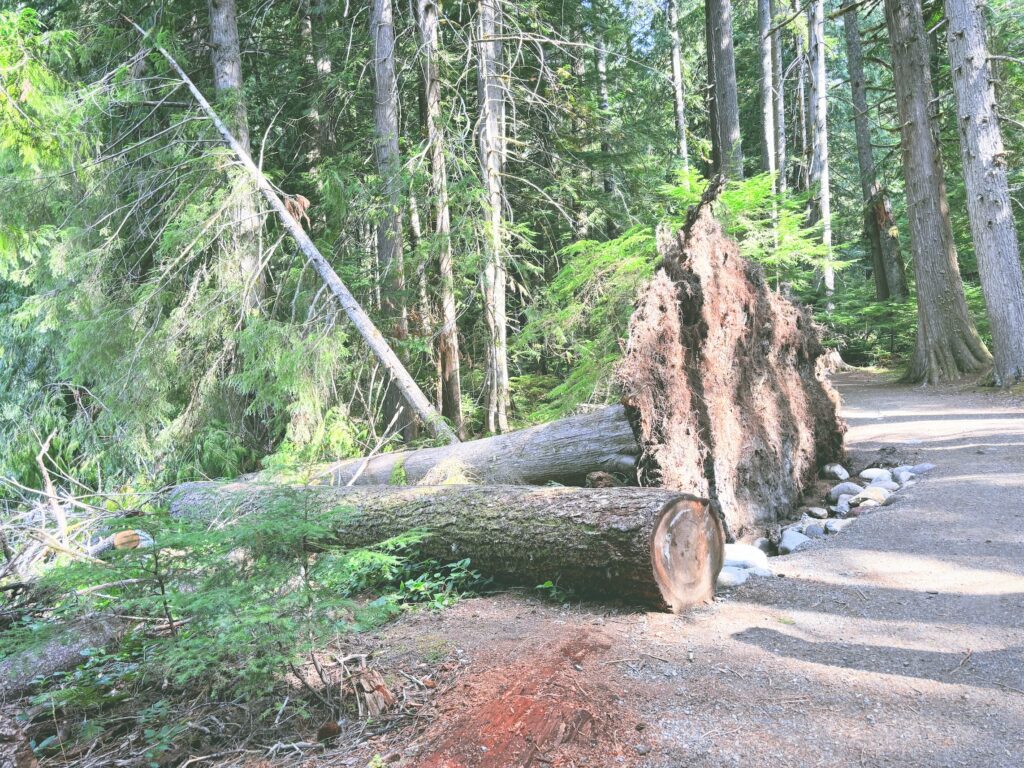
646	546
60	652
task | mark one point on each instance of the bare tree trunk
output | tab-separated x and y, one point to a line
389	231
226	59
821	201
779	96
413	395
948	344
312	27
886	258
494	277
988	197
679	90
722	60
767	91
800	169
448	337
608	183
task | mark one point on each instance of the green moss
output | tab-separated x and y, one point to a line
398	476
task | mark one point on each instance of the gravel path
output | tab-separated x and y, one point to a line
899	642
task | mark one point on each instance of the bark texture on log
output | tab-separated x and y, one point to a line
563	451
62	652
725	380
650	546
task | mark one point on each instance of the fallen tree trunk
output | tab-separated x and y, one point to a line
61	652
563	451
725	396
649	546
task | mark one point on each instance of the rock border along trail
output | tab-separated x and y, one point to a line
899	642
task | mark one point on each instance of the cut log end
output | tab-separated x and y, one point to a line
687	548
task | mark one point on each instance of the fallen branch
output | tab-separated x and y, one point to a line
410	391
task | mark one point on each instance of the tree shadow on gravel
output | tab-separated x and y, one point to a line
889	604
1002	669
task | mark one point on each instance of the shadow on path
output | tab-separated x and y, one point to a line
977	669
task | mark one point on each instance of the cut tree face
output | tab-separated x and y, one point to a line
687	551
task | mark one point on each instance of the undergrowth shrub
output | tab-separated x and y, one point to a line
226	614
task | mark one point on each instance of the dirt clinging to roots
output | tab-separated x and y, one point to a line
756	416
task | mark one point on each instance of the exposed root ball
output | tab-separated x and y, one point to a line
754	416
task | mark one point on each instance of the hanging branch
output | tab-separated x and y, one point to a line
411	392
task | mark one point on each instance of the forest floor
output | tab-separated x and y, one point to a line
898	642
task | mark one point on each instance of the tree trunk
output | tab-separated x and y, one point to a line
948	344
886	258
608	183
649	546
563	452
226	59
413	395
389	230
800	167
722	59
820	205
63	651
448	336
767	90
779	96
494	277
679	90
988	197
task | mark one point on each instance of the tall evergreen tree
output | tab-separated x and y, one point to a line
448	336
886	258
494	279
725	112
948	344
390	255
988	195
819	171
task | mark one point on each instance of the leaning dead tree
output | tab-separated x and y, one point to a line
405	384
644	545
724	397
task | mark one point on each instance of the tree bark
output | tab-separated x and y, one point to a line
390	257
800	167
722	59
413	395
60	653
226	60
448	336
648	546
767	88
988	198
494	278
886	258
779	97
607	181
679	90
820	205
563	451
948	344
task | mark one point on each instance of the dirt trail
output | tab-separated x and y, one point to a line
899	642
